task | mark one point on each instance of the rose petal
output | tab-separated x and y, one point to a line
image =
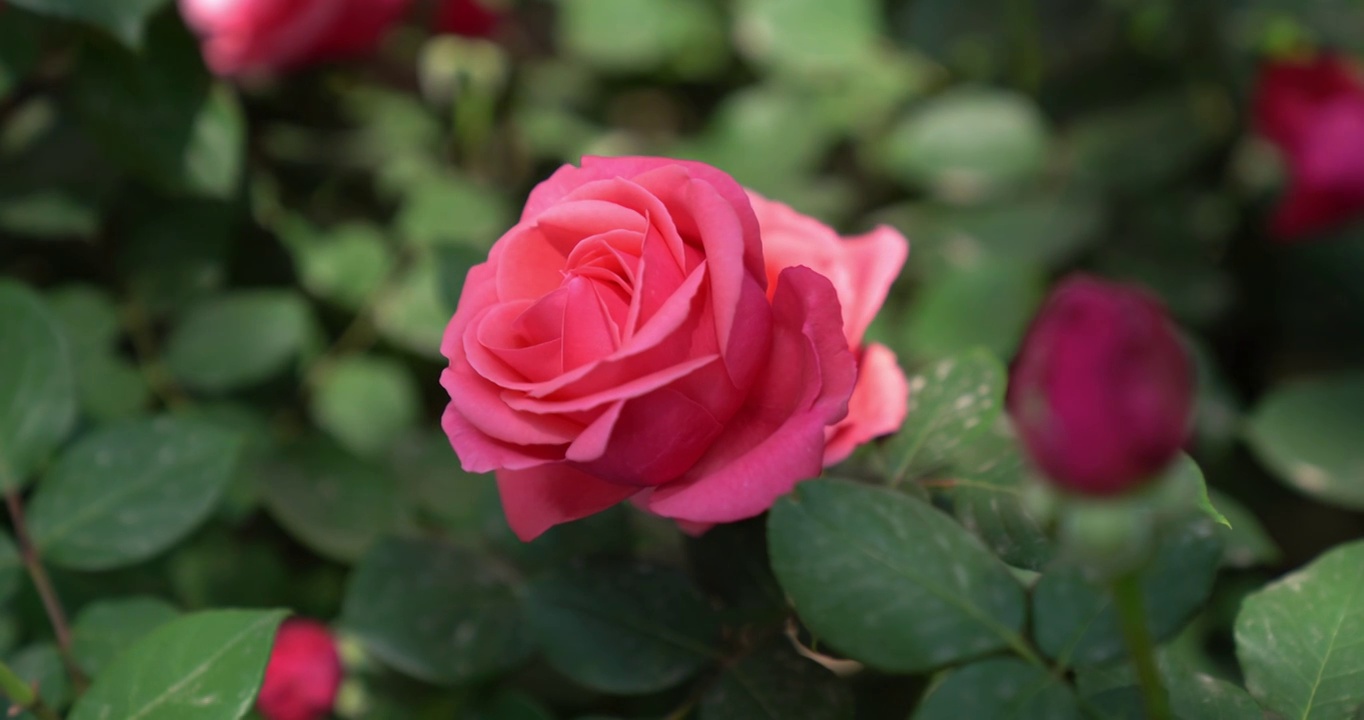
656	438
774	441
537	499
877	407
874	261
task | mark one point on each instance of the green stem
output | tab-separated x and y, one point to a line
1127	598
23	695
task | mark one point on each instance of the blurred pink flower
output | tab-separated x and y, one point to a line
1102	390
253	36
1313	111
303	675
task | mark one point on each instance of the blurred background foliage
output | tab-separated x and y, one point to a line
279	258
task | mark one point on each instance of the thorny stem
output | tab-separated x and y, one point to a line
1127	598
43	584
24	696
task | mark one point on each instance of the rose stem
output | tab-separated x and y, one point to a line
51	603
1127	597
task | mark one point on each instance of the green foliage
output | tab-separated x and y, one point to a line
1308	433
435	612
623	629
204	666
1298	638
224	300
128	492
37	385
890	580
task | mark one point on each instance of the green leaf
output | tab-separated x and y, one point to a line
110	387
1300	640
20	43
1193	695
988	305
346	265
204	666
159	114
435	612
1247	542
775	683
125	19
452	210
238	339
889	580
11	568
1073	617
41	665
1001	688
127	492
366	402
627	36
413	313
106	628
809	37
622	629
968	143
1308	434
37	384
950	404
1039	230
989	478
336	504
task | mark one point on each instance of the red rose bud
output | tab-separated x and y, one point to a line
303	675
468	18
1102	390
1313	111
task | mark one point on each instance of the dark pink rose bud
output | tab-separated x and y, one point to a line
303	675
469	18
1313	111
1102	389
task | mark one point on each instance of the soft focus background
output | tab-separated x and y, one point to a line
278	253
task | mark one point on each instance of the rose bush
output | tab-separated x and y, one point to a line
619	342
252	36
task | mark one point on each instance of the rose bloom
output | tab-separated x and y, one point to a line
253	36
1313	111
303	675
620	342
1102	390
862	270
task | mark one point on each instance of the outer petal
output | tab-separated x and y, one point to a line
874	261
537	499
878	405
777	438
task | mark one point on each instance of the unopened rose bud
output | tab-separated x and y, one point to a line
1103	387
303	675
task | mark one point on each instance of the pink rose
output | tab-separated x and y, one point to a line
250	36
1313	111
303	675
619	343
861	269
